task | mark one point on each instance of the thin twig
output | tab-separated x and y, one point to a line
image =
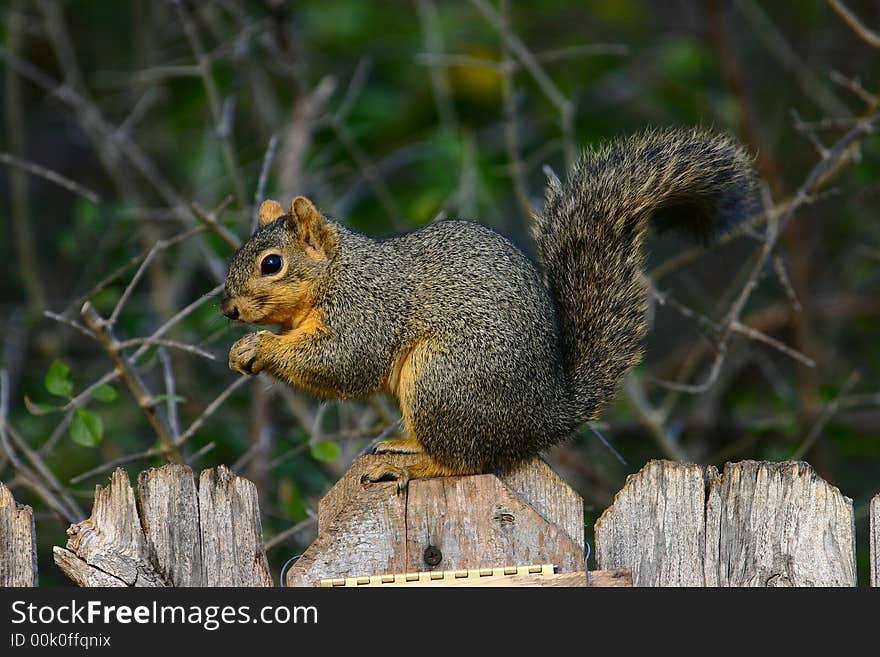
170	393
210	409
291	531
50	175
69	322
136	386
654	420
159	451
432	37
126	294
260	192
120	271
866	34
817	176
828	412
511	129
162	342
527	58
221	118
65	506
210	221
200	453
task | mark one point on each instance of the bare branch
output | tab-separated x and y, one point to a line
174	344
864	33
817	176
210	221
653	420
170	393
211	408
511	129
52	176
290	532
139	391
828	412
527	58
260	193
222	119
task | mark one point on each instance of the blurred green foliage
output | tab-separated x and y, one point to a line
675	63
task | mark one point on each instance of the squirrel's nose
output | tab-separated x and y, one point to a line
229	309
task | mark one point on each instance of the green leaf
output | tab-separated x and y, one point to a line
104	393
325	450
57	379
86	428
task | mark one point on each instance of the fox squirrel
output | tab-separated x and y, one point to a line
492	357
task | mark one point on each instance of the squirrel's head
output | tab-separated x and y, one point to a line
272	278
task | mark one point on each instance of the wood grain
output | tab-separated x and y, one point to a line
231	531
178	535
528	516
109	548
757	524
778	524
169	513
18	543
349	485
875	540
477	522
545	491
365	537
656	525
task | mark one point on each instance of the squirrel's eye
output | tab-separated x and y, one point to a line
270	265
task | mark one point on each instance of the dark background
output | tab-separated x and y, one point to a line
389	114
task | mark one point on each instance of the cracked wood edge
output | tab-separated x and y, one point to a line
656	526
177	536
169	515
231	531
18	543
761	524
780	524
109	543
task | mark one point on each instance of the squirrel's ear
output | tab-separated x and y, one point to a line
269	211
310	227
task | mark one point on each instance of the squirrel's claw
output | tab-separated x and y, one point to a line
387	472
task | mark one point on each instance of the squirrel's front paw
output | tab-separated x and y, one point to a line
244	355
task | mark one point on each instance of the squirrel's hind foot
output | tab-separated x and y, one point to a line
387	472
398	446
402	475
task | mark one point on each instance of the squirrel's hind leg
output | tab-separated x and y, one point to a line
427	467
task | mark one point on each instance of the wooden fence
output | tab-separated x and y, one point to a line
672	524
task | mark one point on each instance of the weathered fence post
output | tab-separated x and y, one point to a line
527	517
178	534
875	540
756	524
18	544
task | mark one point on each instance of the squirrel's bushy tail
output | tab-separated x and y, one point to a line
590	237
